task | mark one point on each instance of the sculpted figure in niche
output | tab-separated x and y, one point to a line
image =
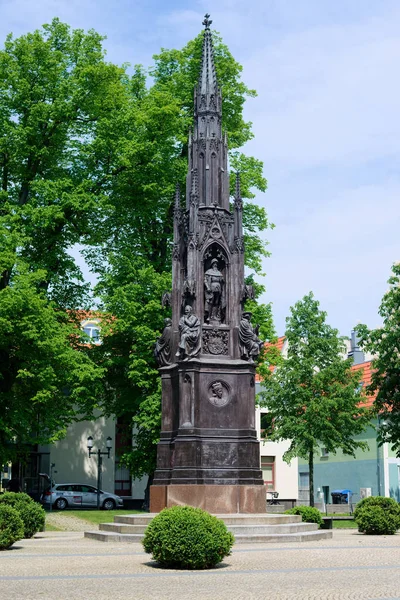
189	329
214	294
162	348
250	344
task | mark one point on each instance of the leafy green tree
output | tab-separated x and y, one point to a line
384	344
134	259
59	108
90	156
314	397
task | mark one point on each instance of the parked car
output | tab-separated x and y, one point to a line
75	495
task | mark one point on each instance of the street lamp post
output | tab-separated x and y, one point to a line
100	455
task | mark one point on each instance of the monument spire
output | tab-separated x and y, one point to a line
208	151
208	452
207	79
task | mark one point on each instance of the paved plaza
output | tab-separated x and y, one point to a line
60	566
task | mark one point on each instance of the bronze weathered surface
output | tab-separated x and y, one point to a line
208	438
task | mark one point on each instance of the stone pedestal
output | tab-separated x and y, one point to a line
216	499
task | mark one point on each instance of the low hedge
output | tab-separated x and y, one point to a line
377	515
11	526
308	514
32	514
183	537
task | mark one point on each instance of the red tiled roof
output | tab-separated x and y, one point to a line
366	368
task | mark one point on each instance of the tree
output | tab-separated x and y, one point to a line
384	344
60	104
313	396
134	259
90	155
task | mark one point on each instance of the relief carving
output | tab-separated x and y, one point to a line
219	393
215	342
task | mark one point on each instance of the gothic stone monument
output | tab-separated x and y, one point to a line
208	454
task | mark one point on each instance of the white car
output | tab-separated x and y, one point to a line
76	495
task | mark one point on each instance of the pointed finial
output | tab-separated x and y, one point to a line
207	22
238	193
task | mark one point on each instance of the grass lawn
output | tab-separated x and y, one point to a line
344	525
91	516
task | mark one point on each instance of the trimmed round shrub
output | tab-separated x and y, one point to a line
374	520
33	517
308	514
387	504
183	537
13	498
11	526
32	514
377	515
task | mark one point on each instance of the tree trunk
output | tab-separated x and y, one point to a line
311	475
146	503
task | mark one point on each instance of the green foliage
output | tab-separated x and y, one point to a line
32	514
56	95
389	505
313	396
384	344
183	537
33	517
11	526
133	259
374	520
309	514
15	498
90	156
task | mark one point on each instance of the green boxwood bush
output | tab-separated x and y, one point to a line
13	498
377	515
11	526
31	513
308	514
183	537
374	520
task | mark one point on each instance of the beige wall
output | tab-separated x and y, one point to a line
71	457
286	475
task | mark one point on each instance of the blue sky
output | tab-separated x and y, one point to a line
326	124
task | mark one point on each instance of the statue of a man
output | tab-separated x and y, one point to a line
189	328
162	348
214	293
250	344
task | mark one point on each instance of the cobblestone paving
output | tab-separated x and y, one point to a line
64	565
66	522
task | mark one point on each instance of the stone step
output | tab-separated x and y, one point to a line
248	529
238	530
302	536
251	528
282	538
230	519
122	527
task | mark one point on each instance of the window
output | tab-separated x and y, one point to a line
324	452
266	425
268	471
304	478
91	329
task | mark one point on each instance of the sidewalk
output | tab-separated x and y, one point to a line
63	566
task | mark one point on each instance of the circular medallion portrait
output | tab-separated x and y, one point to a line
219	393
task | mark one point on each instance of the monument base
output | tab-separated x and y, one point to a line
215	499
